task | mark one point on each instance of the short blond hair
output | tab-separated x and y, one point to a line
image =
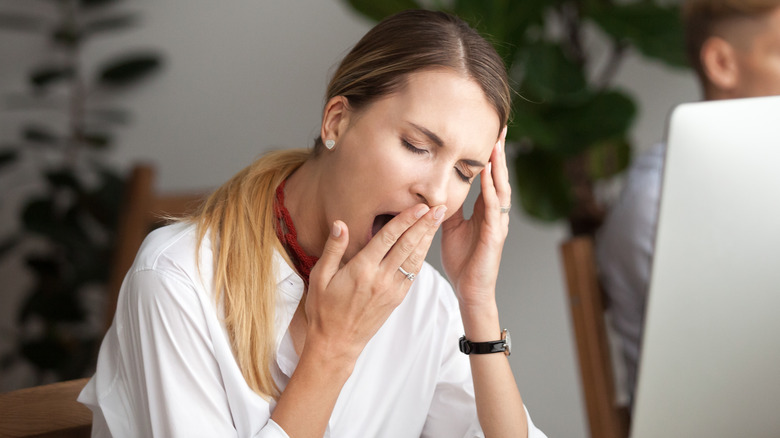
703	19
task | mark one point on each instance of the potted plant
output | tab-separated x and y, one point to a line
67	226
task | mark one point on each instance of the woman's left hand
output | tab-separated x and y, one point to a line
471	249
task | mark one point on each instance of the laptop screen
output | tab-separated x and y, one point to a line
710	363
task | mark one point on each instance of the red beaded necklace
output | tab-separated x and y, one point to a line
285	230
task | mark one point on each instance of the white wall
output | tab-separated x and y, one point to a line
246	76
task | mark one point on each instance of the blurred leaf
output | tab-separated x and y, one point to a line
549	75
129	69
44	76
110	115
527	123
8	156
89	4
68	36
542	186
608	157
504	23
114	23
39	216
63	178
8	244
656	31
606	114
43	265
97	140
377	10
39	134
21	22
46	353
104	202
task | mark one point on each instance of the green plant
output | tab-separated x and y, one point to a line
570	124
68	225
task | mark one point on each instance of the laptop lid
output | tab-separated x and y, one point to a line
710	362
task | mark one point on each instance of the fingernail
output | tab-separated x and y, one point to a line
421	211
439	213
336	230
490	168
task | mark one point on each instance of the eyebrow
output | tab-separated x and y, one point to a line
440	143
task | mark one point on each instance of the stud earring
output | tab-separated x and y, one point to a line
330	144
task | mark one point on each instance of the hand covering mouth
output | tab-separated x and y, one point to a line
380	221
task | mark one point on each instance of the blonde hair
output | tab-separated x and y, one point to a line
239	216
703	19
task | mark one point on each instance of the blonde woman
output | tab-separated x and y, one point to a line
297	302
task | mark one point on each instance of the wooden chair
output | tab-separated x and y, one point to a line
143	210
606	418
45	411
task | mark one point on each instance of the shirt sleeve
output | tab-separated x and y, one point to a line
453	411
166	380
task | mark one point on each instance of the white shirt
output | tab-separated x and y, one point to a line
166	368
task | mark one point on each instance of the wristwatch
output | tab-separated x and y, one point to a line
503	345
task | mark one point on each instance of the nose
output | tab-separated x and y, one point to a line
432	188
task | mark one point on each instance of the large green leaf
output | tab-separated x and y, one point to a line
603	115
656	31
542	185
548	75
377	10
529	125
607	158
505	23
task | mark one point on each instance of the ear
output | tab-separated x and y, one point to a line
335	118
719	62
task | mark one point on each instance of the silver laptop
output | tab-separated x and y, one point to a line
710	364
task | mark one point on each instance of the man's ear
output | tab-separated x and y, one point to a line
719	62
335	118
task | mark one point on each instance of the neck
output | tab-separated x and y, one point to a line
303	201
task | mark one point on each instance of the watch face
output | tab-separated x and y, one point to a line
507	342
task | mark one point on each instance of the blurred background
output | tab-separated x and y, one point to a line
199	89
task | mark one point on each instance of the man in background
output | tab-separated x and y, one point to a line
734	48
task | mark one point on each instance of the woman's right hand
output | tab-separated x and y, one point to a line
346	305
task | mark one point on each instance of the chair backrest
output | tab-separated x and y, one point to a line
45	411
142	211
606	418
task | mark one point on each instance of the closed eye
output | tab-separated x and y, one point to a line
412	148
463	176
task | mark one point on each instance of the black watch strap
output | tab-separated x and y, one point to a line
502	345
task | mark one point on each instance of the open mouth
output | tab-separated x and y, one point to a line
379	222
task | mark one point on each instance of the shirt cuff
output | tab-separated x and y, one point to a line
272	430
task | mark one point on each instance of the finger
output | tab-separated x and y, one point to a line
378	247
489	197
413	245
500	172
330	261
